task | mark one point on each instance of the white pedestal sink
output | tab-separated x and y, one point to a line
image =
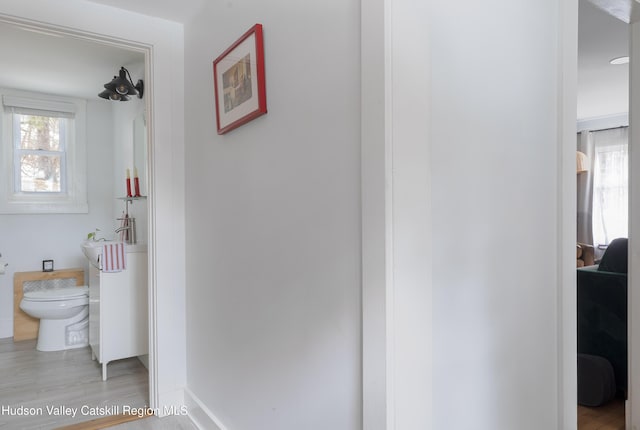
92	249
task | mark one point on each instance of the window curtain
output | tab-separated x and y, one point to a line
585	189
610	185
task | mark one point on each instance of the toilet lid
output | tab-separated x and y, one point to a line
57	294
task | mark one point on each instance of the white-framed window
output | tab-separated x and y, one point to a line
43	154
610	185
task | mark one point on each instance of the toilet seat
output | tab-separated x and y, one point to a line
57	294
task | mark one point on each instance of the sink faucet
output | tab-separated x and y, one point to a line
128	230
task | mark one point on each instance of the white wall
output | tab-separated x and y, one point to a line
273	222
124	115
496	156
495	132
26	240
396	195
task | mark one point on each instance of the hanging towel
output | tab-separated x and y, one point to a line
114	257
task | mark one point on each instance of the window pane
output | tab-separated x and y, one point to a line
40	132
40	173
610	186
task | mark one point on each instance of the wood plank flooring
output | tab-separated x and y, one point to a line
132	422
174	422
102	423
33	383
607	417
37	380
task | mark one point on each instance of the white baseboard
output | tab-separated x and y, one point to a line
200	415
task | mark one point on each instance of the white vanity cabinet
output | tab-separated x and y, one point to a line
118	324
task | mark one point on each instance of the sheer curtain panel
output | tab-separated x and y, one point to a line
610	185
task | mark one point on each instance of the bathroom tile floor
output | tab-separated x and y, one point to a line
40	390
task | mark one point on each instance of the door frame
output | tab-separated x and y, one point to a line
390	200
164	66
146	50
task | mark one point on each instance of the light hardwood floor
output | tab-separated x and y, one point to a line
33	379
607	417
154	423
43	380
126	423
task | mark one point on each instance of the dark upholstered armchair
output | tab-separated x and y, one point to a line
602	309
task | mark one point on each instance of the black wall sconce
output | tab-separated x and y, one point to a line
121	87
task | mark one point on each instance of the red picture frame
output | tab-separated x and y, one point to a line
239	82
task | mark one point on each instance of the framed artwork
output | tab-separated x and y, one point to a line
47	265
239	84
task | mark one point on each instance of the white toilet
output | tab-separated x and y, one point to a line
63	314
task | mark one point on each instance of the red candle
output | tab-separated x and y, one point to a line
128	184
136	182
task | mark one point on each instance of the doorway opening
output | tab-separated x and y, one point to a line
602	165
109	207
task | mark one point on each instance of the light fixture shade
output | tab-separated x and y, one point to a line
620	60
121	84
582	162
112	95
121	87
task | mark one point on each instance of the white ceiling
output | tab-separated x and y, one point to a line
602	88
172	10
75	67
59	64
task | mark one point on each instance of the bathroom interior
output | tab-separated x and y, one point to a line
116	165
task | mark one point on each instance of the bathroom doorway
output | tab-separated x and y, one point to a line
76	66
